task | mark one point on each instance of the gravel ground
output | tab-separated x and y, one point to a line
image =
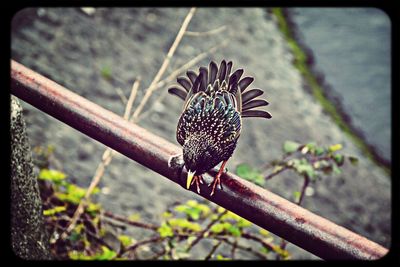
72	47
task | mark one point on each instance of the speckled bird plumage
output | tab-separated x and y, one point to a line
211	120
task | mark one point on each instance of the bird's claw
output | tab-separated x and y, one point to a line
199	180
216	181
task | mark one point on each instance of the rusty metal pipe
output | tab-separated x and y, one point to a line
260	206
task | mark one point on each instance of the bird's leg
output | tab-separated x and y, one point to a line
197	178
217	179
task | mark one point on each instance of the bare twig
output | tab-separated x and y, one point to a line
131	99
191	63
271	175
98	239
144	242
303	189
214	248
157	255
302	193
241	247
164	65
130	222
234	247
106	160
258	239
201	234
121	95
171	77
211	32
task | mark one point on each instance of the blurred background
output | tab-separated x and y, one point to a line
98	54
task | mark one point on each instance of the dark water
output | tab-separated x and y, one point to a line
351	47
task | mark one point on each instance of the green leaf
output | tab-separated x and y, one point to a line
167	214
106	72
126	240
107	254
264	250
336	147
222	258
217	228
52	175
165	230
264	232
353	160
311	145
54	210
74	236
204	208
336	169
73	194
290	146
93	208
304	168
193	209
244	223
248	173
339	159
77	255
278	250
184	224
296	196
220	210
319	151
193	213
235	231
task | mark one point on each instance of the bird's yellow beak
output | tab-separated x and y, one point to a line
190	175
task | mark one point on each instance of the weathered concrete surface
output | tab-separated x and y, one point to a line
72	47
29	239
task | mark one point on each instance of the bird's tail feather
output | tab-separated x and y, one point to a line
213	78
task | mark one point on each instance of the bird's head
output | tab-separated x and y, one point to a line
199	156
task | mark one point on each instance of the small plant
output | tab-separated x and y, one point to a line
183	225
106	72
309	161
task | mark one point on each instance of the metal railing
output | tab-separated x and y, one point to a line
303	228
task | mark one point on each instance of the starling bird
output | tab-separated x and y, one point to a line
211	120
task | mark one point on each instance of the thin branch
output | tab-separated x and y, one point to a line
106	160
164	65
144	242
303	189
258	239
234	247
98	239
180	70
130	222
302	193
241	247
201	234
191	63
271	175
157	255
211	32
131	99
214	248
120	93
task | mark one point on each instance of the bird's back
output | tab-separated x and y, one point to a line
215	102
